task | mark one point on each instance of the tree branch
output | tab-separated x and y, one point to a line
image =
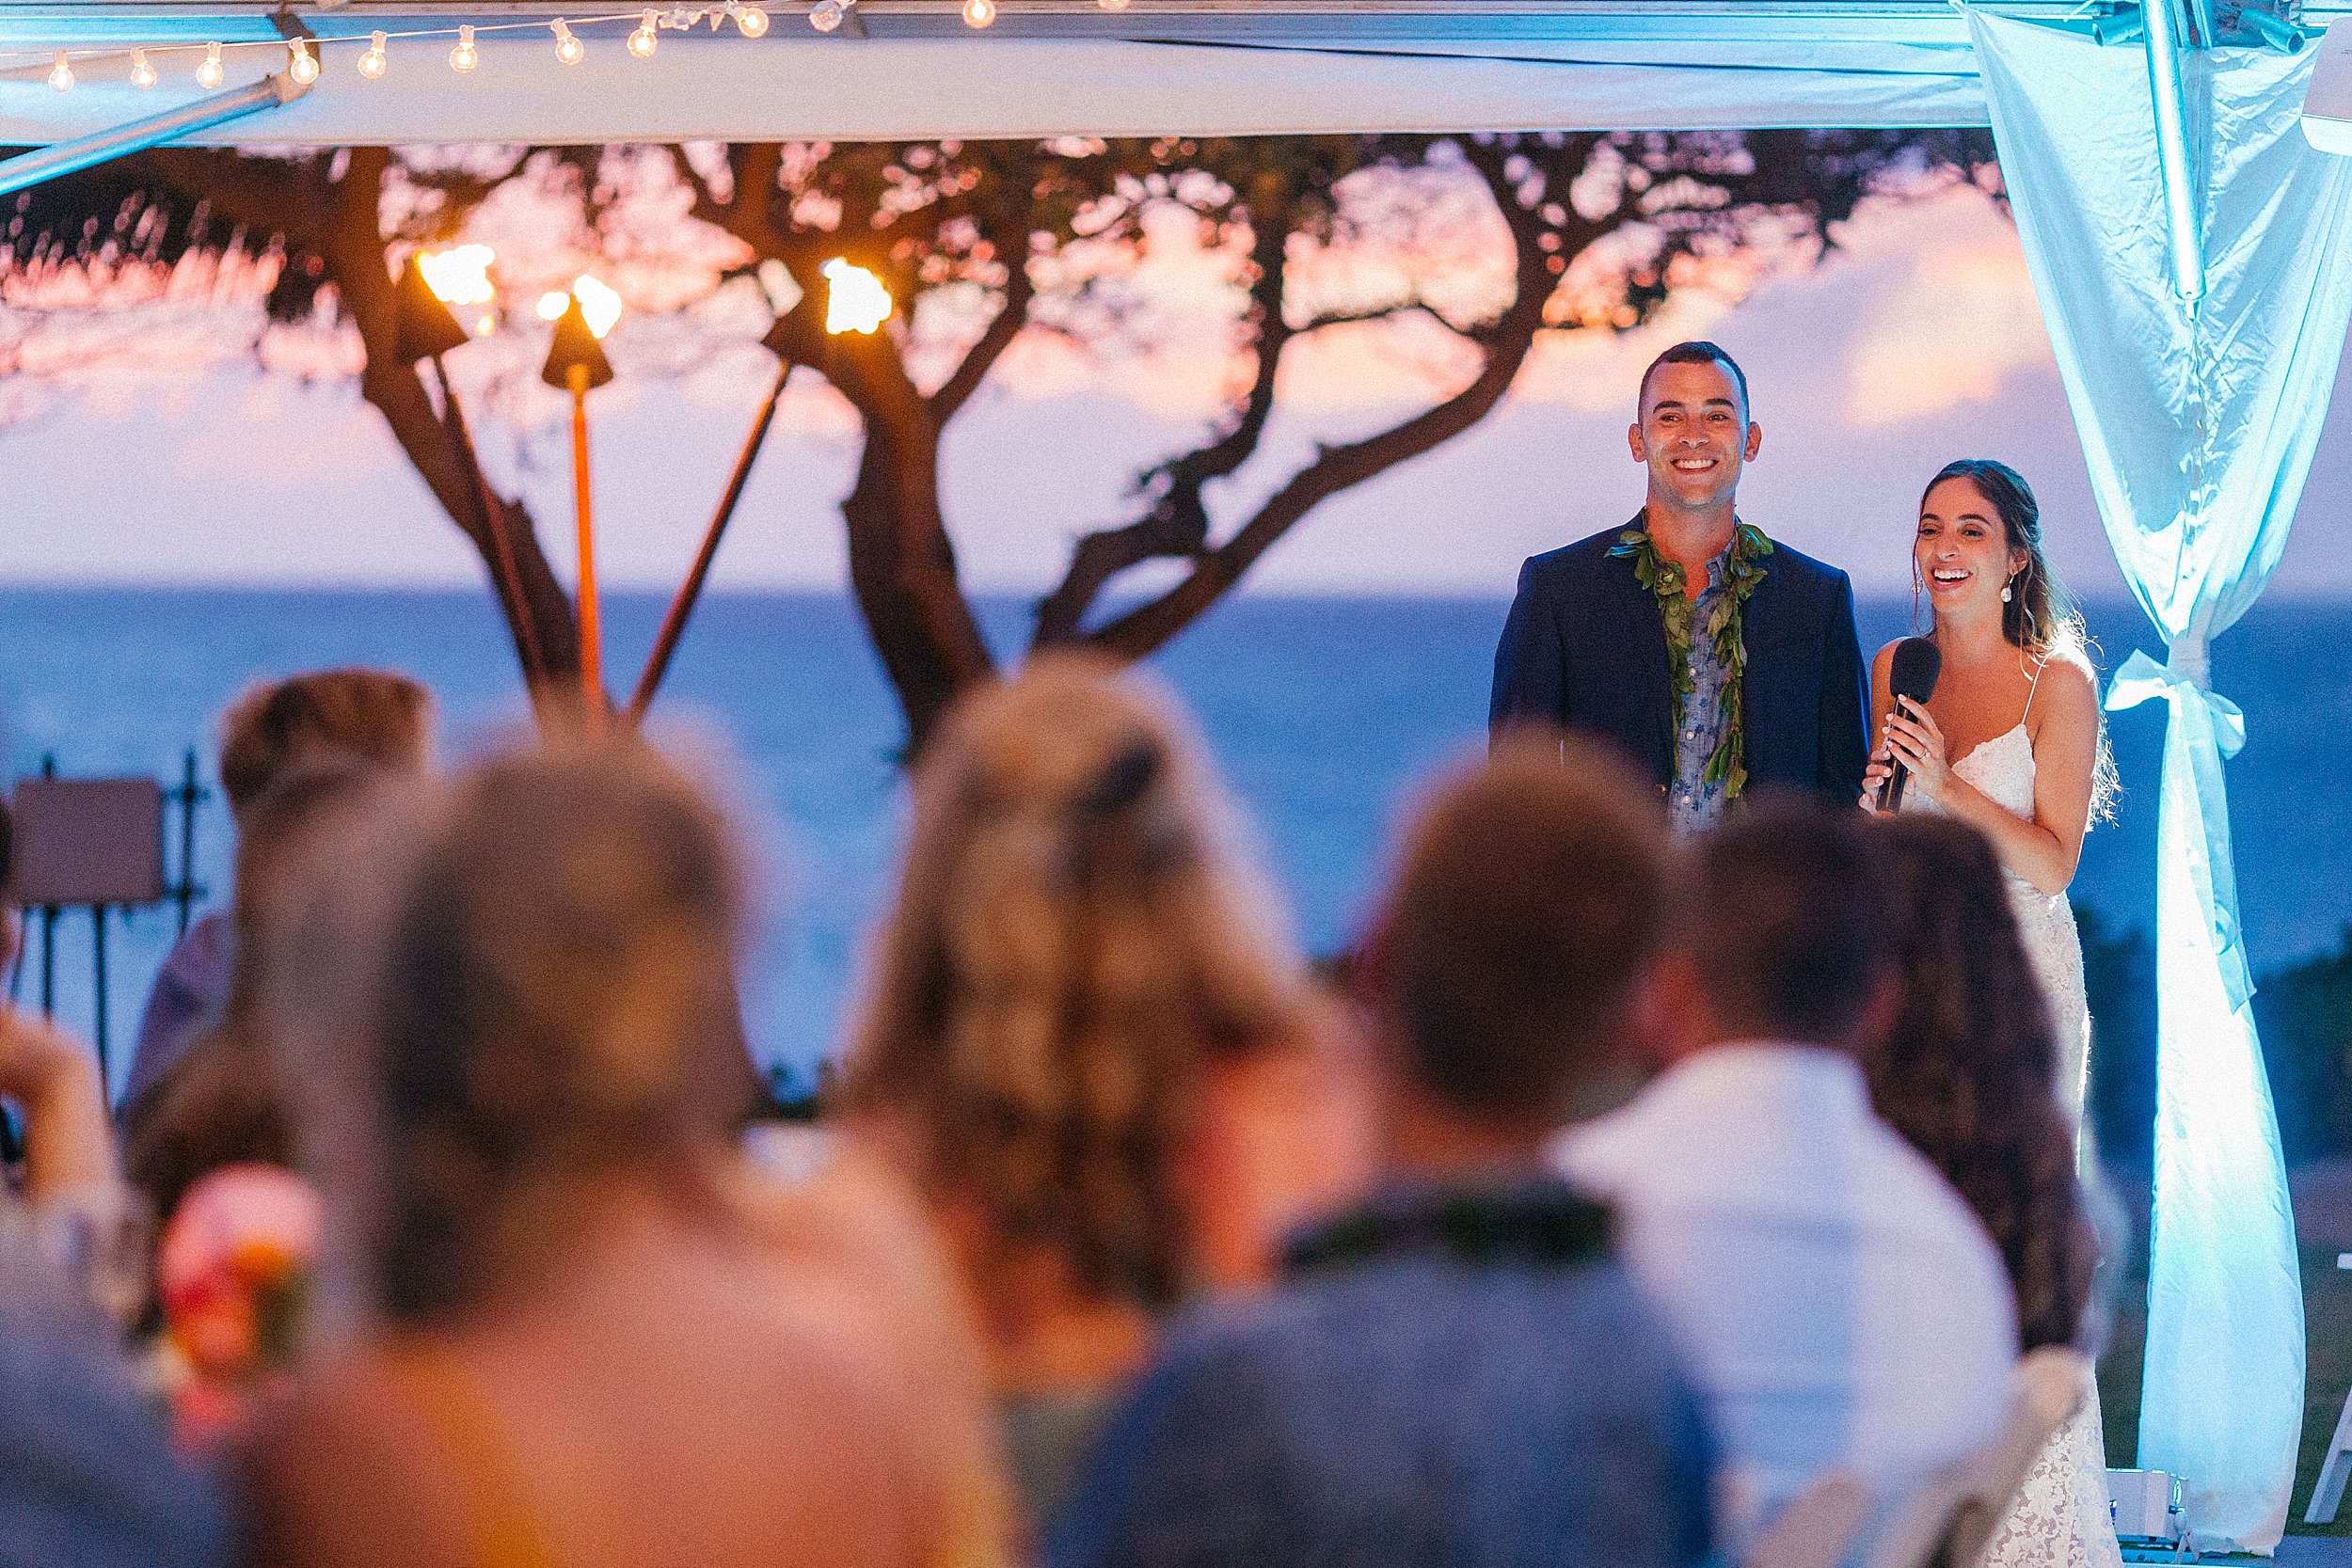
958	389
1148	626
707	208
1178	522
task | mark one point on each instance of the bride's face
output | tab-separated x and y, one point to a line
1962	553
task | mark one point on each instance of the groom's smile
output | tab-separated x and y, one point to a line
1693	435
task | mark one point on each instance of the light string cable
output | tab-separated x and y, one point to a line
751	20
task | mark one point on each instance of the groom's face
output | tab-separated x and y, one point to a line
1693	435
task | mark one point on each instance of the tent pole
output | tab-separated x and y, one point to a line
2172	153
47	163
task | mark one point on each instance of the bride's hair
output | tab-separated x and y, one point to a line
2039	615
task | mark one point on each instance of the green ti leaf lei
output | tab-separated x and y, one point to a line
1727	766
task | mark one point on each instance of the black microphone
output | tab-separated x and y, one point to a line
1917	662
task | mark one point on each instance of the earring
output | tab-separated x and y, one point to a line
1915	598
2005	592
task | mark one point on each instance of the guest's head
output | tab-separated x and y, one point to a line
371	716
1779	930
1076	946
1966	1070
555	1018
1504	966
1692	427
221	1102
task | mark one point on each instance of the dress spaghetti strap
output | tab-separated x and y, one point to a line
504	1530
2044	663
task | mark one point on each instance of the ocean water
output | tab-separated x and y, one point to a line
1322	714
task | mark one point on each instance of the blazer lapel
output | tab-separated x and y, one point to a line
1643	634
1759	625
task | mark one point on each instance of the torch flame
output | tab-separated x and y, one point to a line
459	276
598	303
857	302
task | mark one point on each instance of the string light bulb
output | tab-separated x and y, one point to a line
641	43
825	15
568	48
750	22
208	72
1112	5
61	74
978	13
372	63
301	64
465	56
142	74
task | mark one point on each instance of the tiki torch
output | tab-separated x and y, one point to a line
575	362
784	294
856	301
424	327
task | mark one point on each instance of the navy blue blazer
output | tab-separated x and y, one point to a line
1585	650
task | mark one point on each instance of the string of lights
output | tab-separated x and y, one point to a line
304	63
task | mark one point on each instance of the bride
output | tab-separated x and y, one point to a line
2011	744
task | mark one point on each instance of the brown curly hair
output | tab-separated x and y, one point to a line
1074	938
1967	1073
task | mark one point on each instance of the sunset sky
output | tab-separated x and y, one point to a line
154	462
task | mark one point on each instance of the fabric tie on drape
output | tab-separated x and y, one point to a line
2198	427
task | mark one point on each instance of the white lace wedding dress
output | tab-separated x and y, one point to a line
2061	1519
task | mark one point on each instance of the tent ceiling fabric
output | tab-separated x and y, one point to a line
1047	68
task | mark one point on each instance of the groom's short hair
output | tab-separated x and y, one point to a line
1782	913
1525	908
1696	352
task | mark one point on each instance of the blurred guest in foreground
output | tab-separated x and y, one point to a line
1458	1371
575	1348
1839	1304
271	731
86	1472
1090	1042
221	1102
1969	1075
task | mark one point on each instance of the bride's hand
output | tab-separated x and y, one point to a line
1874	777
1917	743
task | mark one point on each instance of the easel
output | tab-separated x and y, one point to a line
98	844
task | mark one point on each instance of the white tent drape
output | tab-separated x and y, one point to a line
2199	428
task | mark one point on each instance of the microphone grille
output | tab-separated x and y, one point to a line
1917	663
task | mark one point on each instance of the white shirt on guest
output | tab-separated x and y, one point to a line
1835	1300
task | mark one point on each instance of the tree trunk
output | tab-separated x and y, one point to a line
537	612
902	565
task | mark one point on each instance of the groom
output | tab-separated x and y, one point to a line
1718	661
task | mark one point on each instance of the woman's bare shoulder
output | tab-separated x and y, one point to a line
2069	684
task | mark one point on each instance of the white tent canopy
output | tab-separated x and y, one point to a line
1160	67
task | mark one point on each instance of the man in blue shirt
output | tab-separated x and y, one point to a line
1459	1370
